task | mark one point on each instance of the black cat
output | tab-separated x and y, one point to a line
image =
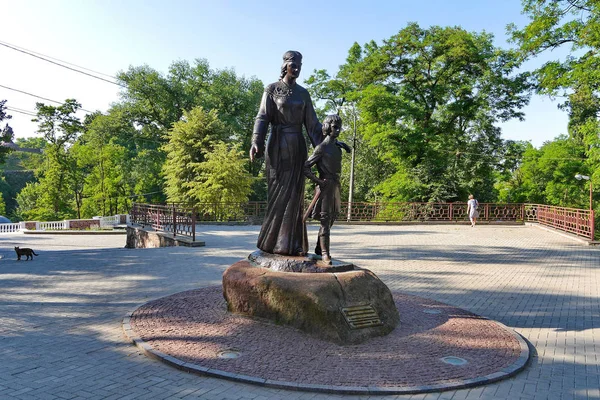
25	252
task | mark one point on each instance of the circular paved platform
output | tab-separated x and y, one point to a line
193	331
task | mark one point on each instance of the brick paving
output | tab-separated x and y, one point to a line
61	314
195	327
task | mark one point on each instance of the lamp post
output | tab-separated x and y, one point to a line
338	104
351	189
592	221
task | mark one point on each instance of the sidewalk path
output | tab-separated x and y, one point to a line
60	315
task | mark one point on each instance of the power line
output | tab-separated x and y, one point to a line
30	113
56	59
62	65
20	109
40	97
29	94
34	114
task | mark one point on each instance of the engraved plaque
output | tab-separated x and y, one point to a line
363	316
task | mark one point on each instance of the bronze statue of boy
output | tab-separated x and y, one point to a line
325	206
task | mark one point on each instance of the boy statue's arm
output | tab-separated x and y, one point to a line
313	160
344	146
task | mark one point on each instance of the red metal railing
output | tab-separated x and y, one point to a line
434	212
254	212
572	220
166	218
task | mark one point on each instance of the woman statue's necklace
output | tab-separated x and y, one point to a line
282	90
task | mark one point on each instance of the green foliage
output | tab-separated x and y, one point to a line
26	161
339	94
59	125
547	176
6	132
154	101
56	189
99	166
432	97
2	205
12	183
201	168
428	101
224	179
107	159
574	25
19	169
39	201
57	195
27	199
190	140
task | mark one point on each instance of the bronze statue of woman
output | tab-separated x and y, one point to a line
286	107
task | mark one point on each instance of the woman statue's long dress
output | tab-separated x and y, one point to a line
286	107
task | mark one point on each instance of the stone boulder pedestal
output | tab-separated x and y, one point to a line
340	303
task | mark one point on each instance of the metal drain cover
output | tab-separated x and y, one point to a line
452	360
228	354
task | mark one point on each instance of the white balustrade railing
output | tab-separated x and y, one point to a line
105	222
12	227
110	221
52	225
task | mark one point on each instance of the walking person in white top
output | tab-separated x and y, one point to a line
472	210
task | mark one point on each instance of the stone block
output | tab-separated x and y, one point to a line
343	307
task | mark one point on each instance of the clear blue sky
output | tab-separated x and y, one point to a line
249	36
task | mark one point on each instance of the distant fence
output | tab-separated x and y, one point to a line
110	221
173	218
72	224
255	211
12	227
51	225
429	212
577	221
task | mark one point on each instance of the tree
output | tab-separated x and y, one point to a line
546	175
23	160
190	140
59	125
509	175
59	184
340	94
2	205
6	132
153	102
573	24
27	207
109	160
224	179
202	168
430	99
19	169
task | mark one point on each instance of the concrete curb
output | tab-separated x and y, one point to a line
68	232
505	373
565	234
